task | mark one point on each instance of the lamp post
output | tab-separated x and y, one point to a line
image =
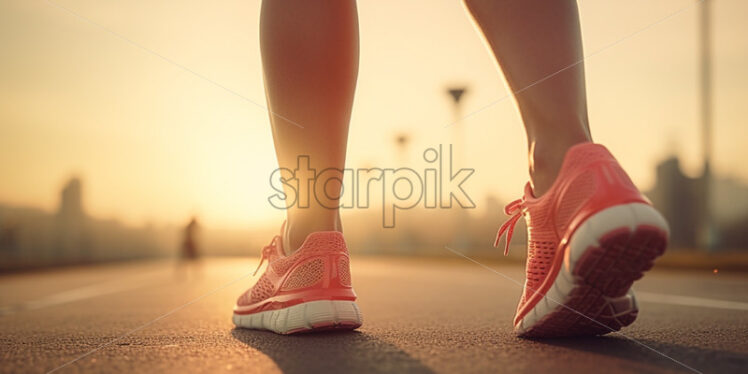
456	160
706	229
458	134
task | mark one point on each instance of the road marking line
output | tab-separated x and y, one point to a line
141	327
522	285
690	301
82	293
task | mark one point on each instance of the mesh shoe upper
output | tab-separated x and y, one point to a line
590	180
318	269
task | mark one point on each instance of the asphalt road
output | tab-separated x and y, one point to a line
423	316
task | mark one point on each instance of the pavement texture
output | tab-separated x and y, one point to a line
420	316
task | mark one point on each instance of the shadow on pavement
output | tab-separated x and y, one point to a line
330	352
700	359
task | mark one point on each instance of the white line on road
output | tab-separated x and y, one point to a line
85	292
690	301
175	310
520	284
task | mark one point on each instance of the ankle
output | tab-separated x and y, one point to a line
546	159
298	227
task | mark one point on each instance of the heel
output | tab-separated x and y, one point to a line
605	255
618	243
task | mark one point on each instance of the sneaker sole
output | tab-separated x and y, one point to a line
312	316
591	294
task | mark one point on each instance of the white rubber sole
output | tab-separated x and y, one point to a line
617	245
305	317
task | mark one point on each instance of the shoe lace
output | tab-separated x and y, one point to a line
266	253
515	209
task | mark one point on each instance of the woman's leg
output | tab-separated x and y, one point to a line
596	212
538	45
310	64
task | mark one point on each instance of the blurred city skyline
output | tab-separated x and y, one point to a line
70	235
156	143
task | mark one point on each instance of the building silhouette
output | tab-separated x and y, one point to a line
73	238
705	212
31	237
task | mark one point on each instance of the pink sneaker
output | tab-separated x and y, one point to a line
589	238
309	290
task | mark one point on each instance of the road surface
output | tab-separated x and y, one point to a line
421	316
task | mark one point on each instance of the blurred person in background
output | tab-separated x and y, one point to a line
189	254
189	244
590	232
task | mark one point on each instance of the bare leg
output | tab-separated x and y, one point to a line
310	63
538	45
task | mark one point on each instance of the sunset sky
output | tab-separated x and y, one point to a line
128	95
